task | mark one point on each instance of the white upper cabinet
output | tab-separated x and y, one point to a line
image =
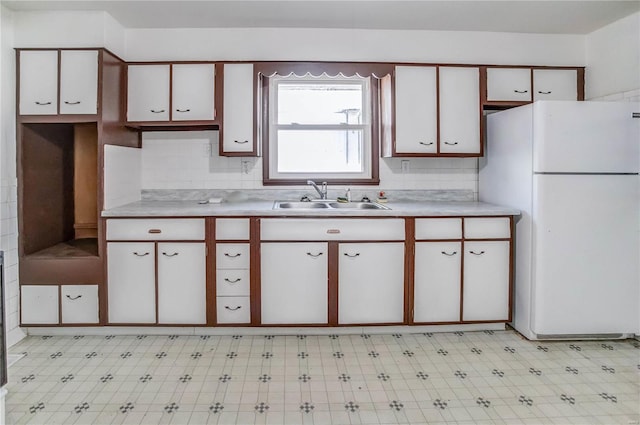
79	82
148	93
39	78
193	92
238	122
509	84
459	110
437	111
555	84
416	109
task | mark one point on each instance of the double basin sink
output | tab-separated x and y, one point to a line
328	204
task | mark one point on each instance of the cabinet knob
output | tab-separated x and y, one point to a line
183	110
226	254
66	102
426	144
74	298
42	103
232	281
544	92
451	143
449	255
233	308
314	255
140	255
157	111
357	254
476	253
170	255
155	231
521	91
333	231
241	142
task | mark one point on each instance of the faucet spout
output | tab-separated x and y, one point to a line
322	192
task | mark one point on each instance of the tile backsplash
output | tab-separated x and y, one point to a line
189	160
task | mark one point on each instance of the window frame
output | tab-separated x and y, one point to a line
268	70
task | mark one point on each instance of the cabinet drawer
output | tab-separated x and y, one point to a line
487	228
79	303
233	309
39	304
232	282
438	228
155	229
232	229
332	229
232	256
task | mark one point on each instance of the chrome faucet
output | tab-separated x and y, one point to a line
322	192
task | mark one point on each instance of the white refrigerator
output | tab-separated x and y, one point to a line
571	168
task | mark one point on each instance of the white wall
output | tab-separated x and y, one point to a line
122	175
8	181
354	45
613	58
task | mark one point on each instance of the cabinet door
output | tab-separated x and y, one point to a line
238	109
437	282
509	84
79	303
416	109
486	281
371	283
294	283
459	110
555	84
79	82
131	282
39	82
193	92
148	93
181	283
39	304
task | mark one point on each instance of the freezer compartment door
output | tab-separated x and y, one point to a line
586	137
585	254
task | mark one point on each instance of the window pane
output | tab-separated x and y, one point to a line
320	151
319	103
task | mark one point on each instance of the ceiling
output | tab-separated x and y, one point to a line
539	16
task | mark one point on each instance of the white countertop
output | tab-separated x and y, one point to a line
265	208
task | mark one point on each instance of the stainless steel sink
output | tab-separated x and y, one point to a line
312	205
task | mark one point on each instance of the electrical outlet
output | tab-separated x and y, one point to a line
404	166
206	150
245	167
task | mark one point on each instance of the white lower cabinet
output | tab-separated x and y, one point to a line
79	303
294	283
437	281
371	283
486	281
182	283
234	310
39	305
131	277
53	304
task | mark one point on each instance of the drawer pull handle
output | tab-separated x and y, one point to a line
170	255
156	111
521	91
155	231
333	231
233	308
226	254
42	103
357	254
449	255
476	253
66	102
451	143
426	144
241	143
74	298
183	110
314	255
544	92
232	281
141	255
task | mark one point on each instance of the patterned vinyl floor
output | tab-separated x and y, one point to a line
490	377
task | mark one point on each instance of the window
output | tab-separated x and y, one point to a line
320	127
